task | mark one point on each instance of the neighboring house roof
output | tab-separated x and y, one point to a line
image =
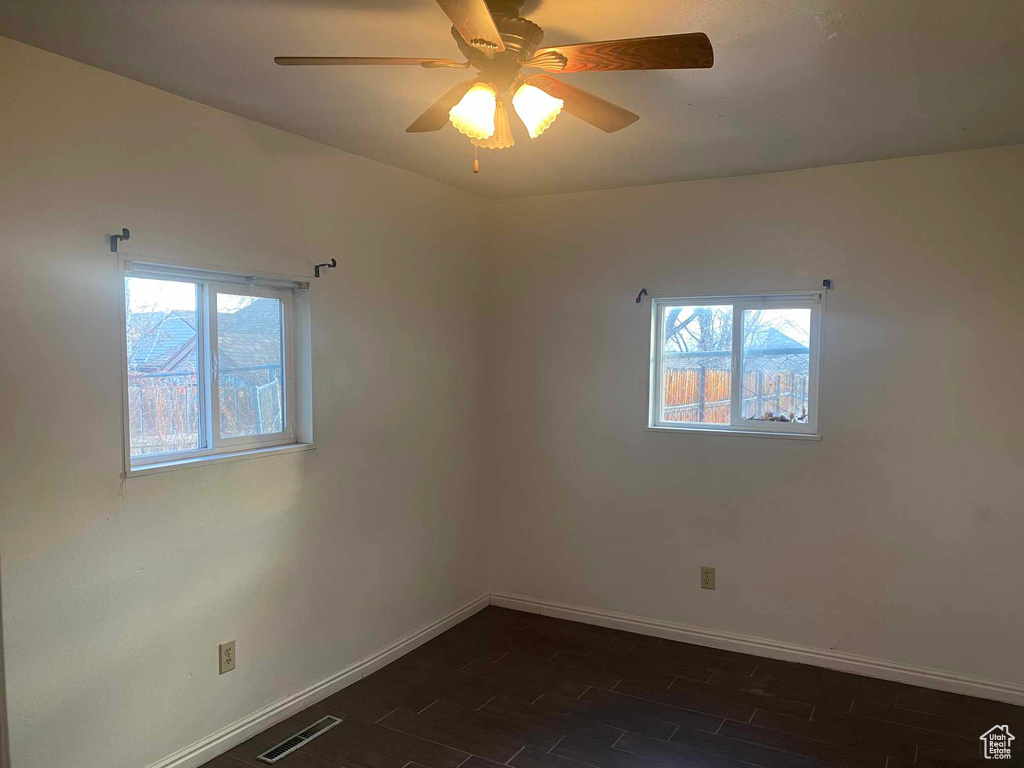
164	342
251	336
772	338
770	342
160	341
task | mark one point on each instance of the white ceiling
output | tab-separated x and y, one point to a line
796	83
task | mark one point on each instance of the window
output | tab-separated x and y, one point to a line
745	364
210	365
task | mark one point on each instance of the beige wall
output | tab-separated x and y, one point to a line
115	595
898	536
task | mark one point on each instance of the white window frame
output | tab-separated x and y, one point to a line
287	435
813	300
296	433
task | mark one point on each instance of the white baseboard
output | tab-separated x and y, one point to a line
846	662
234	734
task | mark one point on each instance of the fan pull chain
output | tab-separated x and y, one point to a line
476	159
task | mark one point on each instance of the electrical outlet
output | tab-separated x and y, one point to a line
707	577
227	656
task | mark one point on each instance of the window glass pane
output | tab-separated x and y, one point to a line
250	371
697	364
163	365
776	365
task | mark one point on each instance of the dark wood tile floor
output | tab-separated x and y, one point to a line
527	691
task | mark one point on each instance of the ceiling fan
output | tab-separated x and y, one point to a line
500	44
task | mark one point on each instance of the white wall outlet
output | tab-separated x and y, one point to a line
227	656
707	577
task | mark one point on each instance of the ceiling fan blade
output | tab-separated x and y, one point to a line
436	116
586	106
474	22
691	51
335	61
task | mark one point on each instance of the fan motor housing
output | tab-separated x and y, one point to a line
521	38
505	7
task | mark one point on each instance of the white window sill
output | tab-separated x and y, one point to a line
218	458
738	432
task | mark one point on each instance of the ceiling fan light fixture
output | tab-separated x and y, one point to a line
536	109
473	116
502	138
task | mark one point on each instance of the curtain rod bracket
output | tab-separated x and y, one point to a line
328	265
640	296
125	234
